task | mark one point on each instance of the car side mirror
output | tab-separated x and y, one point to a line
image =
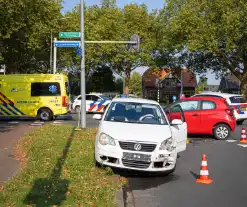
176	122
97	116
99	100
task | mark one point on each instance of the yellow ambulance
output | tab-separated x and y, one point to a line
34	95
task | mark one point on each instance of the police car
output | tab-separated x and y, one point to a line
95	103
236	101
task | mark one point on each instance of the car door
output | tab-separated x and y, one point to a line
89	104
179	132
192	113
209	116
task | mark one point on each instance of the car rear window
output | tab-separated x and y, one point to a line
237	99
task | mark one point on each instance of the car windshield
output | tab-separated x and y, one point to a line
104	97
237	99
139	113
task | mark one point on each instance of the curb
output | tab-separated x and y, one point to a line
119	199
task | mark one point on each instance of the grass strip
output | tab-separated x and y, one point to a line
58	170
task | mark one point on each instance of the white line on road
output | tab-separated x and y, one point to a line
13	122
231	140
242	145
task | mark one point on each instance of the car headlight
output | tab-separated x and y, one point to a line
105	139
167	144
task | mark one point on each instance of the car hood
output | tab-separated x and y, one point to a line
136	132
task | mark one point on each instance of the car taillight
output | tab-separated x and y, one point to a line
229	112
64	103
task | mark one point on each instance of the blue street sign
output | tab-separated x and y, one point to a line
79	51
174	98
67	44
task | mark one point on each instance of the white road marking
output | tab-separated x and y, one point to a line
58	122
13	122
231	140
38	122
242	145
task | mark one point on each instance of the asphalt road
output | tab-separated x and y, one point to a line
227	164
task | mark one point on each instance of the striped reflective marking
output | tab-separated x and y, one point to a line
204	172
92	106
17	109
101	106
11	102
6	106
7	113
204	163
3	101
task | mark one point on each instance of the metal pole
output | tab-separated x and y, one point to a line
181	91
83	83
158	94
51	54
55	58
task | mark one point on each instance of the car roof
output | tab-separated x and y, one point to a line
96	94
224	95
204	98
135	100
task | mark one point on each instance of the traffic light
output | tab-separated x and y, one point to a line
135	38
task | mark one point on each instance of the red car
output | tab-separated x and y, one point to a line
205	115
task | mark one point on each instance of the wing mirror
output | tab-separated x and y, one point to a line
97	116
176	122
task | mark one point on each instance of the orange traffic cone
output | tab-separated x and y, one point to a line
204	174
243	139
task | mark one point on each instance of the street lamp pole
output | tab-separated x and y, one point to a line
51	54
83	81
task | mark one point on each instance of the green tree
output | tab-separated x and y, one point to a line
24	33
201	85
211	35
109	22
102	80
135	85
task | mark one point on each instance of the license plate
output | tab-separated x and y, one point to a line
136	157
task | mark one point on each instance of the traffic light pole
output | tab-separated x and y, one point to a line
83	82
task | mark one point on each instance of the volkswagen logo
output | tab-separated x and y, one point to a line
137	147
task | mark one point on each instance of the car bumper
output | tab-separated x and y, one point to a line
161	161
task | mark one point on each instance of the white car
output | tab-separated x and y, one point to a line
234	100
95	102
135	134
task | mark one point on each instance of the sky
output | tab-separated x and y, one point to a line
152	4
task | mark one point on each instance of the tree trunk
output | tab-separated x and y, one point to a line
243	89
127	80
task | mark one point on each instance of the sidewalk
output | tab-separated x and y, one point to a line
9	136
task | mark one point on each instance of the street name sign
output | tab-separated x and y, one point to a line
67	44
69	35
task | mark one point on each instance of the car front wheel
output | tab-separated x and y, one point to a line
222	132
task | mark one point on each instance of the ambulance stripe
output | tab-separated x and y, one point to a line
3	101
17	109
6	106
5	97
5	111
